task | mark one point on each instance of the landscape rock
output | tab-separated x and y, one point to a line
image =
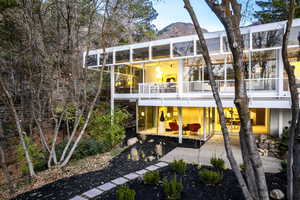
151	141
263	137
143	137
134	154
150	158
132	141
159	149
276	194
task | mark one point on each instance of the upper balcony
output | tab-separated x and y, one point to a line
263	87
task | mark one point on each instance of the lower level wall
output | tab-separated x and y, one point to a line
279	119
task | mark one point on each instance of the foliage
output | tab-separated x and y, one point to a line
284	141
218	163
151	178
210	177
172	189
104	128
284	166
125	193
179	166
86	147
273	11
38	160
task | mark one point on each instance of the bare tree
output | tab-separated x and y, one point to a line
293	172
229	13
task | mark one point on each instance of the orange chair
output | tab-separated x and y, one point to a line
174	126
194	128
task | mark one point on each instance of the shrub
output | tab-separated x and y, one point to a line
284	166
85	148
283	144
125	193
172	189
103	130
218	163
179	166
151	178
37	157
210	177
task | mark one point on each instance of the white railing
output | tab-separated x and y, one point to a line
156	88
261	84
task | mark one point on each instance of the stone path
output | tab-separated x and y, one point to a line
214	147
94	192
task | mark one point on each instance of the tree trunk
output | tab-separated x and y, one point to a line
3	163
293	171
19	128
218	101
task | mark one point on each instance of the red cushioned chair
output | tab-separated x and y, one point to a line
194	128
173	126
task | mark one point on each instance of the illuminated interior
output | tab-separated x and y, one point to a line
260	118
197	123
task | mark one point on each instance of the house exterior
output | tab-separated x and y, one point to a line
168	81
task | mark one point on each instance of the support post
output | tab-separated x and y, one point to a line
180	77
180	124
204	123
112	91
280	123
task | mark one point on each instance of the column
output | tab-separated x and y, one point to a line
280	71
180	124
204	123
180	77
280	123
112	90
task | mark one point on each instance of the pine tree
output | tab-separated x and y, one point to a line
273	11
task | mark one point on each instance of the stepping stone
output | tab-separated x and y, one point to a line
161	164
92	193
106	186
119	181
131	176
78	198
141	172
152	168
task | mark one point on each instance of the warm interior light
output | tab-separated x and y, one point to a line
168	115
142	114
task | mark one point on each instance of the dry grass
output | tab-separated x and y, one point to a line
92	163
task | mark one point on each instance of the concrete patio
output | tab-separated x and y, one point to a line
214	147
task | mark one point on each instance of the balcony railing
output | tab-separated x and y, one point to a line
263	84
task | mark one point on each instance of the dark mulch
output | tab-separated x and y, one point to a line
120	165
194	189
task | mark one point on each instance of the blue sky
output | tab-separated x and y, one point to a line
170	11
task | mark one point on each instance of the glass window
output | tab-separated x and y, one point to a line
91	60
109	58
127	78
294	58
193	69
122	56
246	41
183	49
213	45
263	69
147	120
267	39
294	38
140	54
162	51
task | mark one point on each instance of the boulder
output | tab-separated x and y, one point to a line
159	149
276	194
143	137
150	158
134	154
132	141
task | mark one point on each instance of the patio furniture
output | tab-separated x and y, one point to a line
194	128
174	126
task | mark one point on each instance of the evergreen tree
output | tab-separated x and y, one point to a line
273	11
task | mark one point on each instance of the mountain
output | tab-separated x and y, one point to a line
177	29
